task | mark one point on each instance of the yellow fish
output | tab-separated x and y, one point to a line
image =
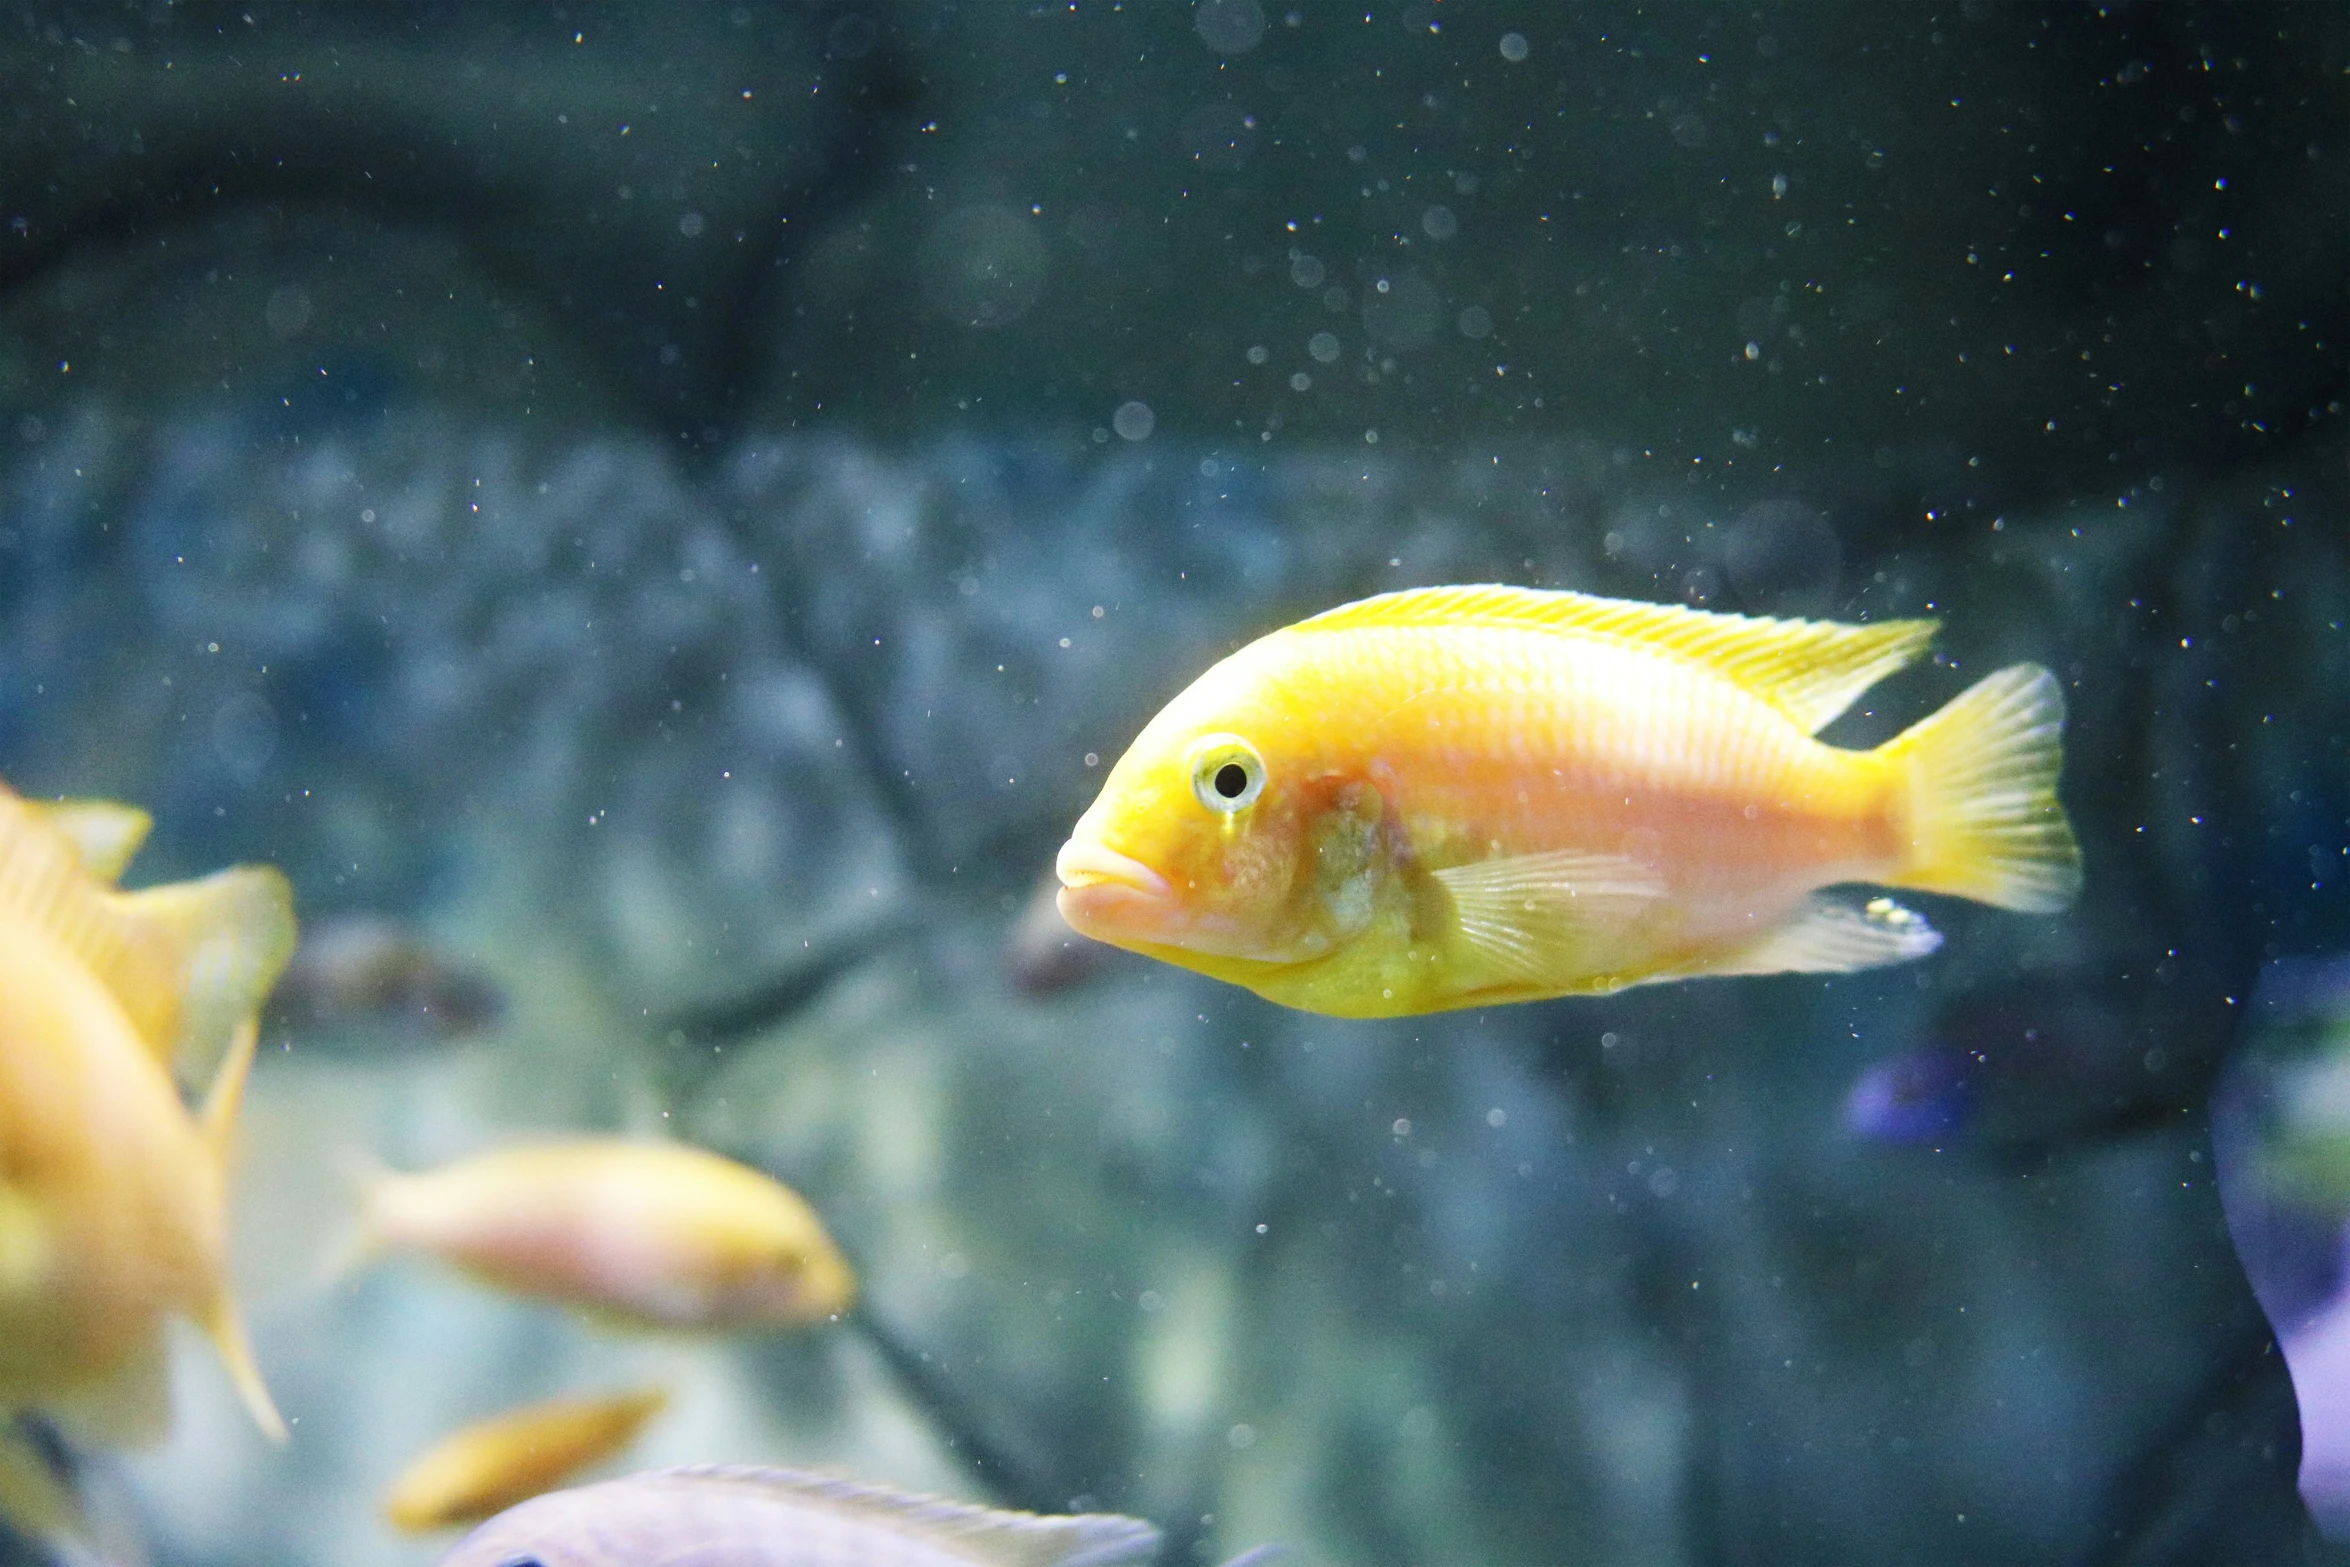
1454	797
484	1468
652	1234
113	1196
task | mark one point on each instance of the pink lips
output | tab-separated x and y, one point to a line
1104	893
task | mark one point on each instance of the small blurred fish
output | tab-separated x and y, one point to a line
486	1467
650	1234
113	1196
1455	797
362	969
1043	955
1916	1097
746	1517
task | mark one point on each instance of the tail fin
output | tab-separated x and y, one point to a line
1984	821
219	1318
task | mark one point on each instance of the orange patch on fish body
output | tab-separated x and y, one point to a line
1462	796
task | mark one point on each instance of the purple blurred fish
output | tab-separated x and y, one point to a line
711	1516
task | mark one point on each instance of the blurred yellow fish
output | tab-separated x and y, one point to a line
484	1468
1454	797
653	1234
113	1197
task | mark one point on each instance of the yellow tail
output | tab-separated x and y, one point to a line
1984	820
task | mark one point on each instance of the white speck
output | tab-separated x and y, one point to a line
1241	1437
1513	47
1300	381
690	225
1496	1116
1134	421
1402	1127
1258	354
1439	223
1476	321
1323	346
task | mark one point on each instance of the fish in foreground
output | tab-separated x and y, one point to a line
113	1195
1454	797
650	1234
484	1468
745	1517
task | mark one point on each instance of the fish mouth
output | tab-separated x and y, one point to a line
1105	894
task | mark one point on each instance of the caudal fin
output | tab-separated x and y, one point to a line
1984	820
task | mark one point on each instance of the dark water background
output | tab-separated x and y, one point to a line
667	499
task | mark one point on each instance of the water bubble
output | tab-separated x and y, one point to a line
1476	321
1307	272
982	266
1513	47
1336	298
1258	353
1405	312
288	311
1783	558
1241	1437
690	225
1323	346
1439	223
1496	1116
1689	130
244	736
1301	382
1134	421
1229	26
1221	135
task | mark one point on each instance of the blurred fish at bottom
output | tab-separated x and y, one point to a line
367	971
2280	1129
647	1234
1042	955
484	1468
724	1516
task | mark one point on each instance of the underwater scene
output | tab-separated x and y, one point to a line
1433	783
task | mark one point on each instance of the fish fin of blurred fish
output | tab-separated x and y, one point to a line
104	834
1811	670
35	1500
1826	937
1534	917
980	1534
228	937
28	1242
1259	1555
365	1240
225	1326
128	1407
1984	819
219	1317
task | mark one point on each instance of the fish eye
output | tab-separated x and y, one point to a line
1226	773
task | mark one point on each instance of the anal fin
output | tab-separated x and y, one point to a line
1545	919
1826	937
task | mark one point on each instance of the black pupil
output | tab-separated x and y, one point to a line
1231	780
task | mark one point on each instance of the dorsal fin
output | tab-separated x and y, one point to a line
104	834
978	1534
185	961
1811	670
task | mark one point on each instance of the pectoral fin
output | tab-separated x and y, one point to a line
1544	919
103	833
1826	937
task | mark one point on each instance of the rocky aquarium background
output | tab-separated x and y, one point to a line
666	503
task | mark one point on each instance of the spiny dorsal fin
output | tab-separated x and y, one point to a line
981	1534
104	834
184	961
224	939
1811	670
